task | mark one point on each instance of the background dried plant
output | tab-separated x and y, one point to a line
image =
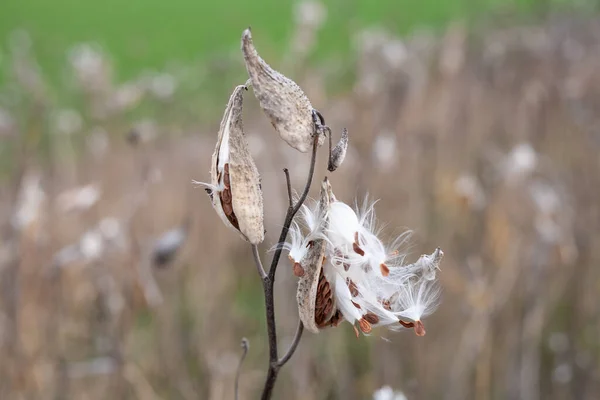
485	144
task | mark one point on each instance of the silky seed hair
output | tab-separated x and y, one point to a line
361	280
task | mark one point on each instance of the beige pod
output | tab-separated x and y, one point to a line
316	301
281	99
338	153
235	183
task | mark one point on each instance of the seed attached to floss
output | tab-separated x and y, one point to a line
371	318
385	271
234	190
417	326
352	286
407	324
298	270
356	246
281	99
365	326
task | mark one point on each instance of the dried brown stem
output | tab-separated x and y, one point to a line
289	187
259	266
269	279
292	349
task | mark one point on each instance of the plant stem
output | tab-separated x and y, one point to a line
259	266
245	346
269	280
293	346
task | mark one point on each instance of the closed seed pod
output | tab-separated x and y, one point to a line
235	183
281	99
338	153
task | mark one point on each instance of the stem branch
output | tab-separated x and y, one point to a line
268	282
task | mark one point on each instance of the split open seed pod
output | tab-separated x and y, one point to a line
316	302
281	99
235	183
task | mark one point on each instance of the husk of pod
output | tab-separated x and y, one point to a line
316	302
235	190
281	99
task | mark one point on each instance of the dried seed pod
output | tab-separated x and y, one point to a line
235	190
316	304
281	99
338	153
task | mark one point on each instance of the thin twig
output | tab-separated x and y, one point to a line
259	266
245	346
289	186
292	211
293	346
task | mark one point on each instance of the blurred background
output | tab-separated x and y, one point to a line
477	124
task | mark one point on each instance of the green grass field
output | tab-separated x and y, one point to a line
149	33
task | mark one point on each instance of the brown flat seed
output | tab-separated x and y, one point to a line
226	180
321	285
407	324
385	271
226	197
356	245
328	307
337	318
357	249
355	304
226	200
371	318
323	302
419	328
352	286
364	325
298	270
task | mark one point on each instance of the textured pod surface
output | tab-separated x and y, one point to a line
338	153
235	182
312	263
280	98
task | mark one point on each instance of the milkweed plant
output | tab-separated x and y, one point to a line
345	272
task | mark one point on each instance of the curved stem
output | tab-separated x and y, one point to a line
259	266
293	346
293	210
